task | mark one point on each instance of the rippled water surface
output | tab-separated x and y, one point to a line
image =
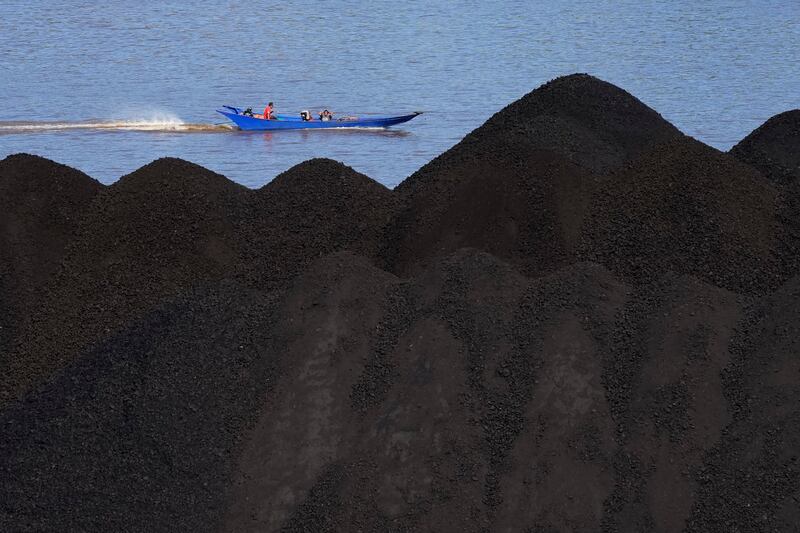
109	87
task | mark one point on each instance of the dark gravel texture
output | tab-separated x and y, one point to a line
521	204
689	208
173	225
40	205
518	185
577	319
141	433
774	147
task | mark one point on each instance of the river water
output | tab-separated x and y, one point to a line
108	87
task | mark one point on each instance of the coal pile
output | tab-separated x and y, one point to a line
588	121
151	235
746	477
40	204
529	213
315	208
688	208
172	226
774	147
518	186
577	319
130	437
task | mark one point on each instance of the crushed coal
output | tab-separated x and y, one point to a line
577	319
688	208
774	147
527	211
518	185
41	203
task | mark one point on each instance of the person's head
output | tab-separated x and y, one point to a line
270	104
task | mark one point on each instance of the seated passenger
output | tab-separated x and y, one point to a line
325	115
268	112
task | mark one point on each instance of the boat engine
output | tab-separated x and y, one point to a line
305	115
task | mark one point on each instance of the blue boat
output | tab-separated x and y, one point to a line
250	122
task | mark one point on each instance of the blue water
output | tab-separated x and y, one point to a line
109	87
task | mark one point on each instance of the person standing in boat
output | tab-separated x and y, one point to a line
268	112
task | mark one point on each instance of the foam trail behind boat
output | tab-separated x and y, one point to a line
156	123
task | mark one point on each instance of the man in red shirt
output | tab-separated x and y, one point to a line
268	112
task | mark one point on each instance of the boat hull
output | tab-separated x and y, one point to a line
285	122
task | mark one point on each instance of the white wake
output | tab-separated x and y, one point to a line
160	122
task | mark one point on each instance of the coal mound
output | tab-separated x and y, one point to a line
578	321
468	397
688	208
171	219
171	226
751	477
588	121
40	204
140	433
774	147
518	185
315	208
150	236
529	212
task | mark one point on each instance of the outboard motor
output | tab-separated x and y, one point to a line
305	115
